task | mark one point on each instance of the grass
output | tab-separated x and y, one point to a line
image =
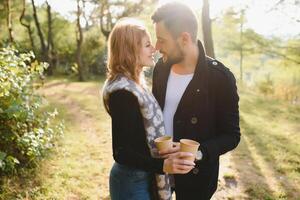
270	148
266	163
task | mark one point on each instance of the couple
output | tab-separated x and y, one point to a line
194	97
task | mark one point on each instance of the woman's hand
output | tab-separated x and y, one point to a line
176	163
175	148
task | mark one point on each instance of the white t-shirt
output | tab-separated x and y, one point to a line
176	86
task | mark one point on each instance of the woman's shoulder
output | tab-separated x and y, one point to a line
122	96
123	102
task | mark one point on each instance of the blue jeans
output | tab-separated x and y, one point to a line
126	183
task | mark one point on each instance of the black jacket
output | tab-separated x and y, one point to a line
208	112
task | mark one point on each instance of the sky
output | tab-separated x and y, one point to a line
259	18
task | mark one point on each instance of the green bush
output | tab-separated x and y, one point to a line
266	87
26	132
94	52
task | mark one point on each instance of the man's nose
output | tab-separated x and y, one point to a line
157	46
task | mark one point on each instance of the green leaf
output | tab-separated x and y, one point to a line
2	155
13	160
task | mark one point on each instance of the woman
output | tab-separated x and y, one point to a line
136	119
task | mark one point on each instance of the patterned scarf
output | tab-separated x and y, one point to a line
152	118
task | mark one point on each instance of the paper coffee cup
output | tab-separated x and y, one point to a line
163	143
191	146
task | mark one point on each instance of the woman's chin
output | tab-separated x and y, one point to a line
150	64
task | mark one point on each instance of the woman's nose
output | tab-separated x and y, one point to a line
153	50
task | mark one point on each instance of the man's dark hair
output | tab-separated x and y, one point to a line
177	18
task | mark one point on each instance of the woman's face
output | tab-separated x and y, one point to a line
147	52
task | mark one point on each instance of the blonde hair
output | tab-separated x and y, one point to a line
124	46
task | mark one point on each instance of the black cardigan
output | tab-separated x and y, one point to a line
129	142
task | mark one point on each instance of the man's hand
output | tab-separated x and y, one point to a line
175	148
176	163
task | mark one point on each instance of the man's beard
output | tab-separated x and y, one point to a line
175	58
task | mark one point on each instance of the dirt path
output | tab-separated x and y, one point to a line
89	127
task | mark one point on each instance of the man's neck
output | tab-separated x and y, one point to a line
188	64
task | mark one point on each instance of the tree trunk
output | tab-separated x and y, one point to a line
9	22
27	26
206	27
79	39
50	47
105	31
84	16
44	52
241	44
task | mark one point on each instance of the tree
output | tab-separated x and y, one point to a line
110	11
47	48
27	26
79	39
252	51
44	52
242	16
206	28
274	47
9	21
50	46
234	34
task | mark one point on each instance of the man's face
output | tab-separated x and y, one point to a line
167	45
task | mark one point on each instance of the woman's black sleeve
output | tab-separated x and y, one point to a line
127	126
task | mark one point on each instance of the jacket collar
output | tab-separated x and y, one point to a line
201	66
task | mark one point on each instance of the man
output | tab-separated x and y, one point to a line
198	96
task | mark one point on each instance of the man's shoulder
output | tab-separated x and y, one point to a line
159	64
218	68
